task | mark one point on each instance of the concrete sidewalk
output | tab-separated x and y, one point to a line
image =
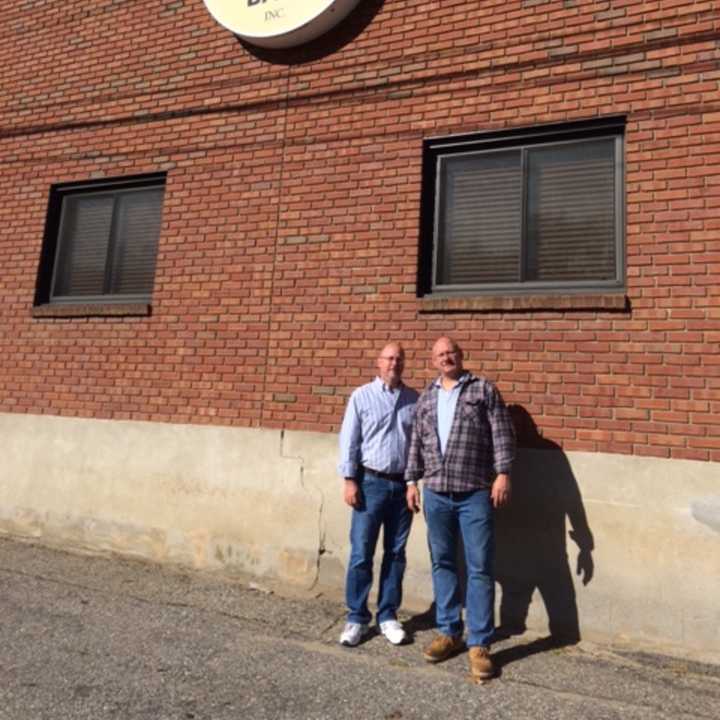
91	637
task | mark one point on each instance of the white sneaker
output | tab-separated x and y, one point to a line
393	632
352	634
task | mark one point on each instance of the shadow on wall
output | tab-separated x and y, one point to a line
531	535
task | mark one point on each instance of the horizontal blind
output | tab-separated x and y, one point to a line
479	230
137	229
571	212
83	245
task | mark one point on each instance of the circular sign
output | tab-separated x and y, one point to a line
279	23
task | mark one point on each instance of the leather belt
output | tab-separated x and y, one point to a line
393	477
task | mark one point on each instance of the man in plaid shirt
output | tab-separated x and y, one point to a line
462	447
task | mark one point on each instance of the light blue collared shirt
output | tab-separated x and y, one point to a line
376	429
446	403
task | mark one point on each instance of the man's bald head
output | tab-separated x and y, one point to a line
447	357
391	363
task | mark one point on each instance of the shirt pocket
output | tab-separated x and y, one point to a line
473	412
376	417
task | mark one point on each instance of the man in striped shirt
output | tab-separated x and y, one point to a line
374	443
462	448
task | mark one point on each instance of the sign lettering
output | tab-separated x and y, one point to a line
279	23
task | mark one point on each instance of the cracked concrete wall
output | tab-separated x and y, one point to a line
268	502
201	496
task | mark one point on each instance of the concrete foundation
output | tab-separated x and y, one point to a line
594	545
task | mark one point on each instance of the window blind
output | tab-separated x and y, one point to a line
480	219
571	212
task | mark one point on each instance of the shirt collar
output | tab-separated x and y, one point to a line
386	388
461	380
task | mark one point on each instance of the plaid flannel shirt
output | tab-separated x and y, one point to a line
481	443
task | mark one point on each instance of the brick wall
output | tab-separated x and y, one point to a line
289	246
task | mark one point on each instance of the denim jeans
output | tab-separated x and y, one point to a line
382	505
448	517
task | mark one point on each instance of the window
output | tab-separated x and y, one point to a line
101	241
524	212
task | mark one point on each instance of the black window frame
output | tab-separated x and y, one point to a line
50	253
436	149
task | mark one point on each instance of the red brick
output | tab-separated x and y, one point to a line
288	253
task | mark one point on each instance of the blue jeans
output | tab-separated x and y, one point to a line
448	517
382	505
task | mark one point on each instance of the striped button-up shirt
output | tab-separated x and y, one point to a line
376	429
481	443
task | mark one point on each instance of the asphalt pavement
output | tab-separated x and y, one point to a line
105	637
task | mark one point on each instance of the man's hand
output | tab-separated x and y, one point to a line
412	497
500	492
352	493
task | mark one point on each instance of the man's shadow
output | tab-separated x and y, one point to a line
531	542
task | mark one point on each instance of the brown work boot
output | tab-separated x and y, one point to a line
443	647
481	666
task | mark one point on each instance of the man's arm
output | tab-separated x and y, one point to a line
415	466
503	437
350	441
